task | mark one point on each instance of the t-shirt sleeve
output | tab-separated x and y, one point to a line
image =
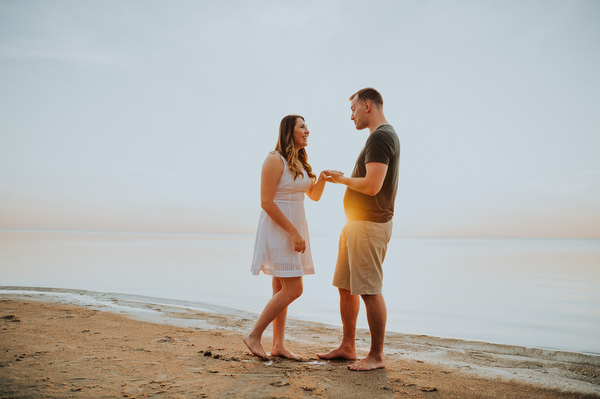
379	148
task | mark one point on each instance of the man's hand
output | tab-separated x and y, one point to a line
333	176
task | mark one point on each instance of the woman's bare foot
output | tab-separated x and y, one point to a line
286	353
339	353
255	346
366	364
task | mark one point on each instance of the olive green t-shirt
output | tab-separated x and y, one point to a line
382	146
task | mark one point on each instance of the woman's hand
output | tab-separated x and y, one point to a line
299	243
324	175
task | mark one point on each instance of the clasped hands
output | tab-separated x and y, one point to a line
332	176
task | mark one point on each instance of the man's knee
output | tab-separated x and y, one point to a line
375	300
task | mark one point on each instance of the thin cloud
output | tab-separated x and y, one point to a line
67	51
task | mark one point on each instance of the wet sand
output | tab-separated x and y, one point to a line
53	349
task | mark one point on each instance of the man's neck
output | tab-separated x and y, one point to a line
376	122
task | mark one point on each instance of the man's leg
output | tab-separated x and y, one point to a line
349	307
377	318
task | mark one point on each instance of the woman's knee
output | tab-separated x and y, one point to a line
294	289
297	291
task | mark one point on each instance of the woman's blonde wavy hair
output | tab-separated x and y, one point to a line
285	146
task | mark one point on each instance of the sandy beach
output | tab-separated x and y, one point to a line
53	349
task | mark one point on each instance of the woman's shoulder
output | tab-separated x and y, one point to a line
274	159
275	155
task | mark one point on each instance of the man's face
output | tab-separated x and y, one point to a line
359	115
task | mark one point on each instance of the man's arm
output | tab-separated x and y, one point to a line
369	185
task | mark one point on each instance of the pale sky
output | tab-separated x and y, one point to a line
157	116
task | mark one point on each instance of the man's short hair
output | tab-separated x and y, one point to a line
369	94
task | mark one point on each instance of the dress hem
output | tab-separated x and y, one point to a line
279	273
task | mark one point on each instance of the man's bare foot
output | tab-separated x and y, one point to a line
255	346
366	364
285	353
338	353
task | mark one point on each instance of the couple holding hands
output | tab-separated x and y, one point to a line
282	247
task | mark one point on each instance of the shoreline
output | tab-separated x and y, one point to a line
136	305
422	361
431	288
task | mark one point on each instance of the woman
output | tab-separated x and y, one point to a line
282	247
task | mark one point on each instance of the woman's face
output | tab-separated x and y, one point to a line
300	134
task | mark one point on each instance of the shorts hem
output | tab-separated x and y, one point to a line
361	292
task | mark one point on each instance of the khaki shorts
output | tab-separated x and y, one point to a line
362	249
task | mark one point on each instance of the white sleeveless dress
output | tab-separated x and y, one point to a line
273	249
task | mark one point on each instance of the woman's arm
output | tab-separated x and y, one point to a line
316	189
271	173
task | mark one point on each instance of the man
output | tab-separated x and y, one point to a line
369	207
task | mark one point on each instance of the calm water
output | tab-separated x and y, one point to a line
542	293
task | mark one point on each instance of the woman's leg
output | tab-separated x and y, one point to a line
291	288
279	348
279	322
